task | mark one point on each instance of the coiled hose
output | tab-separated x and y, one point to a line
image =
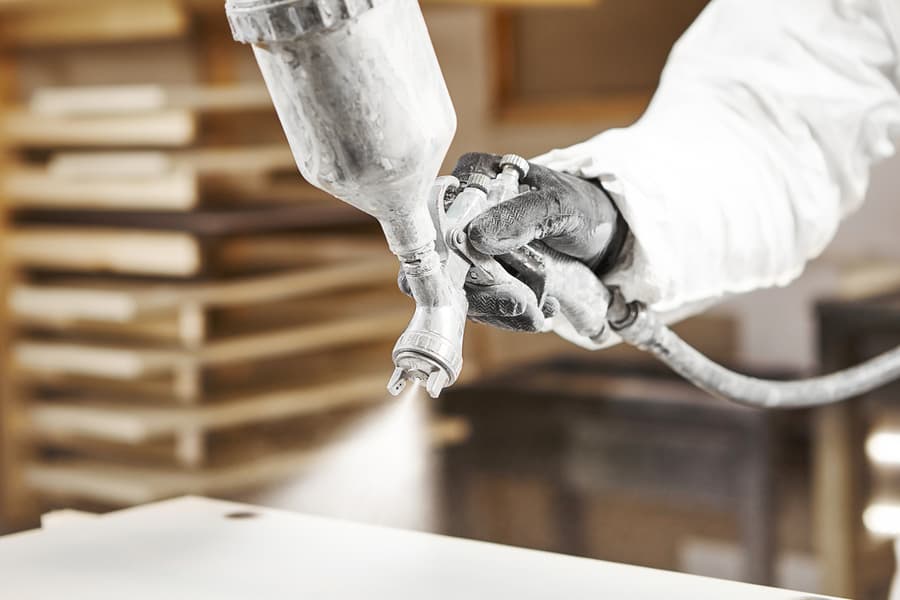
642	328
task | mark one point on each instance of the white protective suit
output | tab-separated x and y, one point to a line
759	140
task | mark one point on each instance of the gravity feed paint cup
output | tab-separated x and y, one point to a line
361	97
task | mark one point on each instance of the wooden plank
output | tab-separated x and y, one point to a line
107	100
621	108
151	389
134	363
157	181
109	165
177	190
168	128
290	250
157	329
9	5
95	249
93	21
16	504
171	253
191	326
234	161
218	383
838	464
123	422
210	222
88	301
124	485
837	510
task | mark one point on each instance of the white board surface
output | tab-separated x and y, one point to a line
195	548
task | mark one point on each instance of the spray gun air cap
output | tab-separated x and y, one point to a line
425	355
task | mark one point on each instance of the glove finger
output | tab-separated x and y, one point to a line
550	307
403	284
539	175
476	162
507	296
497	301
521	323
520	220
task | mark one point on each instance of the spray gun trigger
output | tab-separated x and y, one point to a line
444	187
481	266
528	265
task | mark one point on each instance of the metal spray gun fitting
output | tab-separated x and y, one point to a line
430	349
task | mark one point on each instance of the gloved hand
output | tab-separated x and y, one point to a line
569	214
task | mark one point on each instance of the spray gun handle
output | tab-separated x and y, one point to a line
571	290
569	286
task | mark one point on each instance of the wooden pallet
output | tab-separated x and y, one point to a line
179	254
245	353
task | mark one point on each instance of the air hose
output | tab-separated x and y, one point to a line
640	327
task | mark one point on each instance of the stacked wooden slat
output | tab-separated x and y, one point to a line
191	317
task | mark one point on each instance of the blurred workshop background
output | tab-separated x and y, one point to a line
183	314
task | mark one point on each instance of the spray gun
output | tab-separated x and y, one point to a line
360	95
431	347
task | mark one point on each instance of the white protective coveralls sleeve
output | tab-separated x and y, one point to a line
758	141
